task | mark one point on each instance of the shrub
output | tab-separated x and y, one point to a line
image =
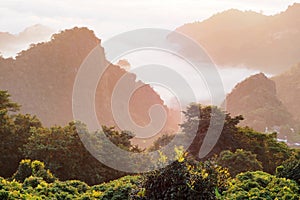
261	185
32	182
239	161
4	194
290	169
34	168
187	179
120	189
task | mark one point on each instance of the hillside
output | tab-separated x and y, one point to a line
256	99
288	89
41	80
237	38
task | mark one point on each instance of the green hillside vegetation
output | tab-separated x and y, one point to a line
52	163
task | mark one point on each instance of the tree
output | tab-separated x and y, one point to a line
290	168
34	168
161	142
186	179
62	150
6	104
198	121
14	133
269	152
239	161
121	139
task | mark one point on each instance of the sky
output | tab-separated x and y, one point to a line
111	17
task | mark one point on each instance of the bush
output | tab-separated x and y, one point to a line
29	183
32	182
239	161
119	189
34	168
269	152
290	169
261	185
4	194
187	179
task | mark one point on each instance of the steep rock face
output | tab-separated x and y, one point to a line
234	38
41	79
288	90
255	98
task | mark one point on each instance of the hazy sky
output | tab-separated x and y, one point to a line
110	17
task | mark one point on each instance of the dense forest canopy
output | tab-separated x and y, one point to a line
53	162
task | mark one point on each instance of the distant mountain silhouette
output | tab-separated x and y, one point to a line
41	79
235	38
10	44
256	99
288	90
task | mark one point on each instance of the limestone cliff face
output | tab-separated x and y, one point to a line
256	99
41	79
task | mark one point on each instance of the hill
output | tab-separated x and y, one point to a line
256	99
288	89
41	79
237	38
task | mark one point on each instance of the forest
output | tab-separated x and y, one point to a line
38	162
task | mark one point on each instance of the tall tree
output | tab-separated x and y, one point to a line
14	133
197	122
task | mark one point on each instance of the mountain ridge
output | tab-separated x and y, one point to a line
256	99
41	79
234	38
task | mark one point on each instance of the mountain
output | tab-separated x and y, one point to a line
256	99
288	90
237	38
41	79
10	44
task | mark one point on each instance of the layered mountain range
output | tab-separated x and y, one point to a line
41	78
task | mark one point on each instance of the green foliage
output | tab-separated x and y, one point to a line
36	169
261	185
32	181
120	139
6	104
37	188
119	189
188	179
290	169
270	152
197	122
14	133
161	142
61	149
56	145
239	161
